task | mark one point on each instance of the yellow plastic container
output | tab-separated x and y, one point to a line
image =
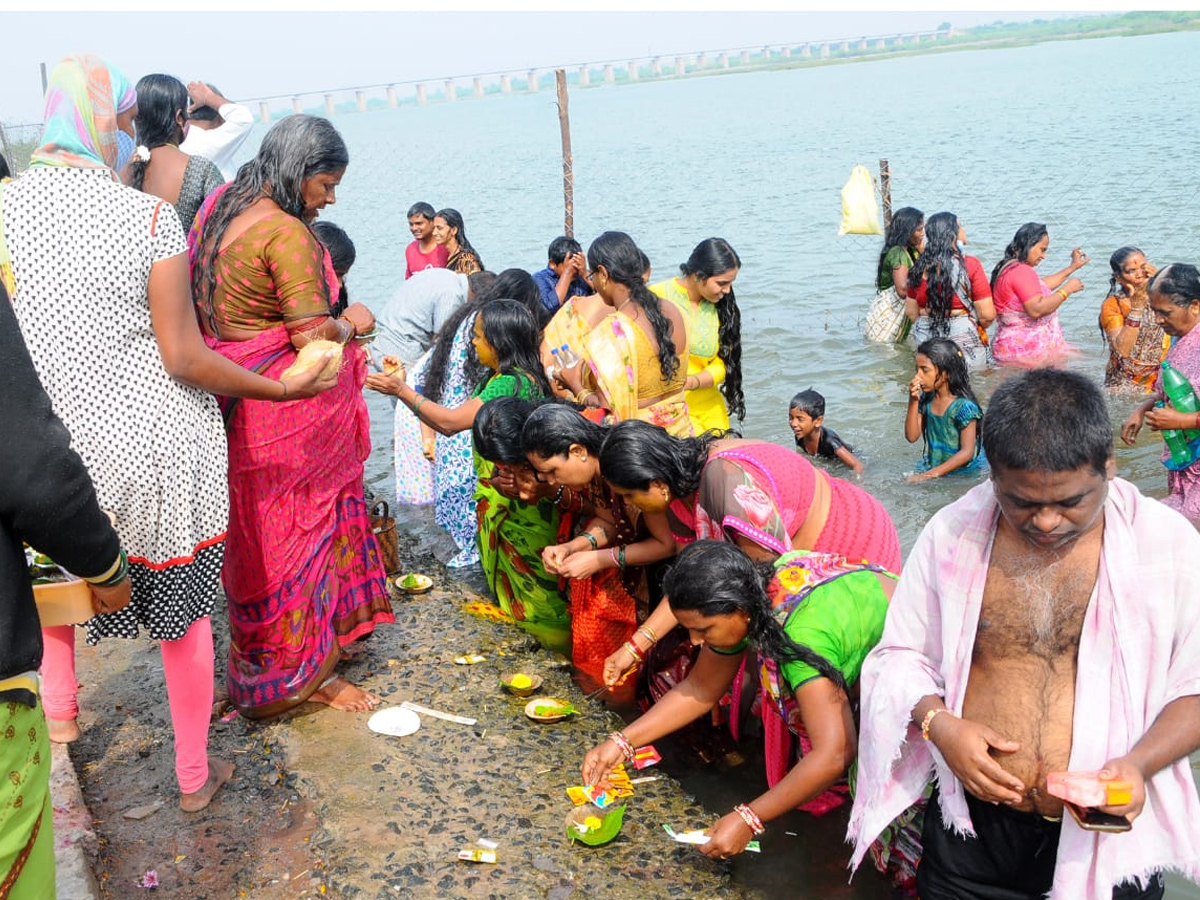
63	602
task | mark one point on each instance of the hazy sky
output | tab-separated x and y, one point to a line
258	54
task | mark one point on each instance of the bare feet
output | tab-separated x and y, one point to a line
341	694
63	731
219	772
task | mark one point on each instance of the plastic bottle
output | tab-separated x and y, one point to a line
556	366
568	357
1177	444
1183	398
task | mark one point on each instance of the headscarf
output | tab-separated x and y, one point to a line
84	96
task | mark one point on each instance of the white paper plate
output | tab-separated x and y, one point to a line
394	720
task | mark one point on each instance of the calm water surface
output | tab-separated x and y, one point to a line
1094	138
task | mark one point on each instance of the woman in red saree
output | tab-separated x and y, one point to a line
302	571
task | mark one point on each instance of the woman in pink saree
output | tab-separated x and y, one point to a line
302	572
1029	333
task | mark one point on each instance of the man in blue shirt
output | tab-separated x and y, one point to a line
563	276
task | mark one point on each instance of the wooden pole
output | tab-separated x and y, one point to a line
564	122
885	188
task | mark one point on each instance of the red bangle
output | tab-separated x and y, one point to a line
750	817
623	745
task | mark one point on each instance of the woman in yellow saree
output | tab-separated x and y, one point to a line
631	360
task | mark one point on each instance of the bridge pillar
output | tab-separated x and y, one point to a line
862	45
585	77
701	60
633	70
391	96
787	52
806	51
506	84
610	74
421	98
680	66
656	67
825	51
329	104
845	47
477	87
451	93
296	107
723	60
360	98
533	81
264	111
745	57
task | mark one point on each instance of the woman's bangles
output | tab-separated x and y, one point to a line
750	817
637	653
117	573
623	744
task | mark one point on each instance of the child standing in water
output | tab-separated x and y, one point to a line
942	410
806	416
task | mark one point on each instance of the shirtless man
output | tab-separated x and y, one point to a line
1044	623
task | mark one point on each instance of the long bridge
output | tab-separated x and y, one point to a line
530	81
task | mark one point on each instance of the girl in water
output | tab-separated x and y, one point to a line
943	411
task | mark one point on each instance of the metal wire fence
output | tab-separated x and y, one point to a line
17	143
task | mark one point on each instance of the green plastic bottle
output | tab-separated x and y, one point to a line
1177	444
1183	398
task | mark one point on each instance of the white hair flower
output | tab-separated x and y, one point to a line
142	153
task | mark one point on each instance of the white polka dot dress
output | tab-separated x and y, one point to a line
81	247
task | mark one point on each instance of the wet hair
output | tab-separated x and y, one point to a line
1178	282
1115	263
160	98
622	260
715	578
645	260
5	171
454	219
204	113
421	209
1048	420
713	256
947	357
513	284
561	248
478	282
809	401
513	333
554	427
944	269
496	431
296	148
636	453
905	221
1018	248
341	254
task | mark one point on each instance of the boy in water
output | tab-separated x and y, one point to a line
424	252
806	415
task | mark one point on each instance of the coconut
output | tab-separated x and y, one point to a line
310	355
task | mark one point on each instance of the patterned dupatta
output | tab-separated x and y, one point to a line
612	357
797	575
83	99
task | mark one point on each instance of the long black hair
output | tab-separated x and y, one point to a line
947	357
342	254
496	431
553	427
713	256
623	261
513	284
942	266
905	221
715	578
160	99
1018	248
1116	262
294	150
455	220
636	453
511	330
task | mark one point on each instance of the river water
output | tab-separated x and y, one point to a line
1094	138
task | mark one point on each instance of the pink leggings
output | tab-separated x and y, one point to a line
188	666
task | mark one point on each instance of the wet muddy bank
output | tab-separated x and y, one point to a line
320	806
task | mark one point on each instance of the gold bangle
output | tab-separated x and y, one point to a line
1062	293
649	634
928	720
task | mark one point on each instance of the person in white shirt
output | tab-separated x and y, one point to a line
216	127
